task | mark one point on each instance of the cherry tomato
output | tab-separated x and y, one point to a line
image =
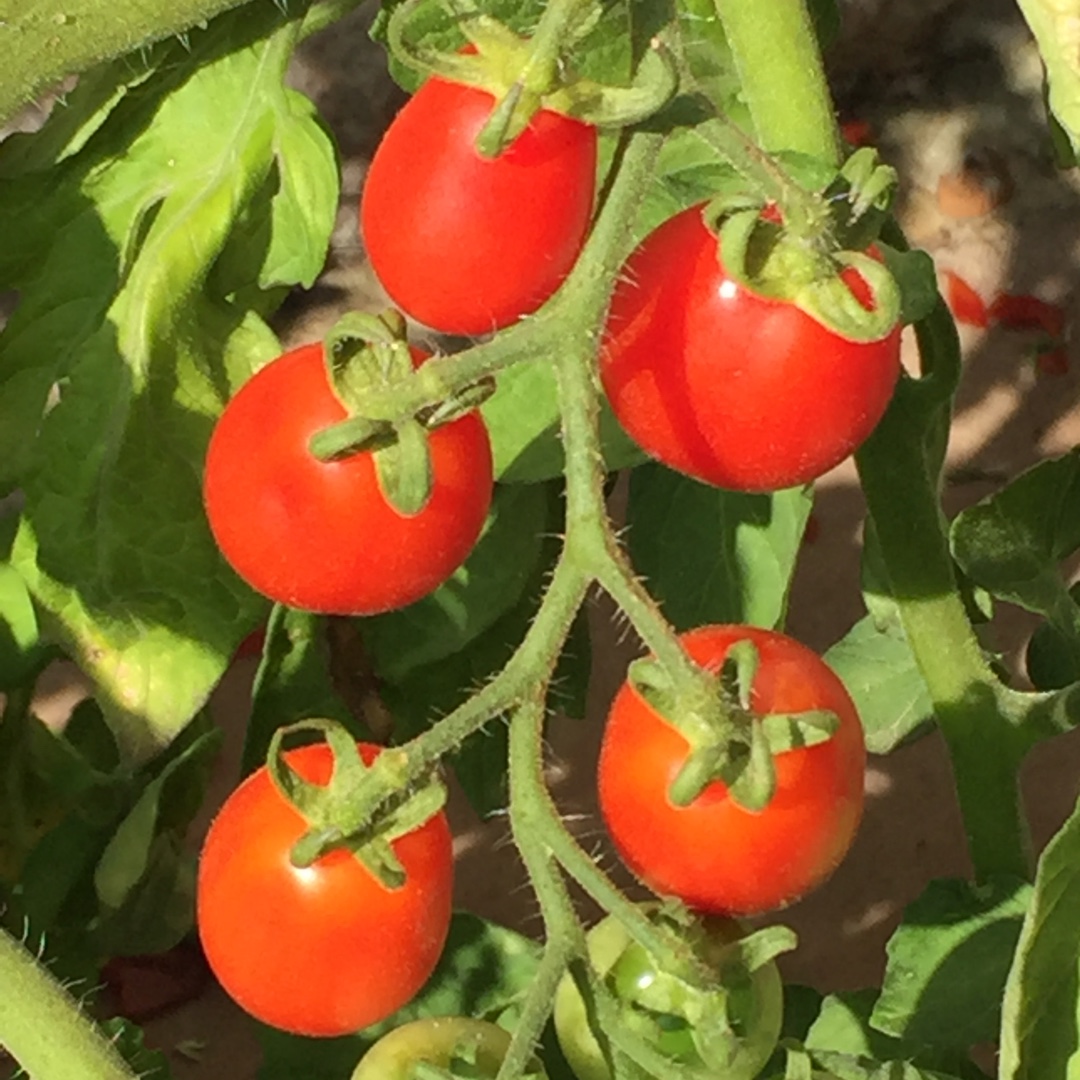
629	971
321	535
328	949
714	855
468	244
730	387
436	1040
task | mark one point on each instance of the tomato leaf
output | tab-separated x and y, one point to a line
876	665
843	1039
522	418
137	262
1039	1014
22	653
1011	542
714	556
293	682
488	584
948	962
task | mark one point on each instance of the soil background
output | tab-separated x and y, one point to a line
945	86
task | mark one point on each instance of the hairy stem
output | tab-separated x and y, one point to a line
43	1026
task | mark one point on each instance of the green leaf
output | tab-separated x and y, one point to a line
128	1038
948	962
876	665
711	555
522	418
140	265
843	1039
1011	542
293	683
490	582
22	654
484	970
915	275
1055	33
1040	1028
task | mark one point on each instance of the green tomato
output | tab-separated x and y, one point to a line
443	1041
755	1008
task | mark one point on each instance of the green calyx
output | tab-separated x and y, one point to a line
527	74
699	1025
729	742
329	809
810	247
367	359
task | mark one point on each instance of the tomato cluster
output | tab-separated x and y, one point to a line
735	388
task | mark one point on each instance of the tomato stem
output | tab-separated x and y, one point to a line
782	76
44	1028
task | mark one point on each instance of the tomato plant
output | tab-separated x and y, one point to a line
325	949
733	388
631	972
322	535
438	1040
468	244
715	855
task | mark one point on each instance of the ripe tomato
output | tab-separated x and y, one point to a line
327	949
714	855
468	244
436	1040
733	388
321	535
630	971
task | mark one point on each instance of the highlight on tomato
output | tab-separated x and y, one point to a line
477	1046
468	244
714	854
752	1005
325	949
737	389
322	535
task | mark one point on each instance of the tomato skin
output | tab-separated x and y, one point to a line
325	950
467	244
434	1040
608	942
713	855
736	389
321	535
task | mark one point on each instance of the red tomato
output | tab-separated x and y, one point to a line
468	244
966	305
325	950
321	535
713	855
733	388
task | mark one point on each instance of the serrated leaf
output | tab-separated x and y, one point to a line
714	556
1040	1029
489	583
139	277
484	970
948	962
876	664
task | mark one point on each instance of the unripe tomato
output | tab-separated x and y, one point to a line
736	389
321	535
630	970
435	1040
713	854
468	244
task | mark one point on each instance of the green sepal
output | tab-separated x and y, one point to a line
831	302
404	469
366	353
798	731
754	785
739	670
458	404
329	809
798	1065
